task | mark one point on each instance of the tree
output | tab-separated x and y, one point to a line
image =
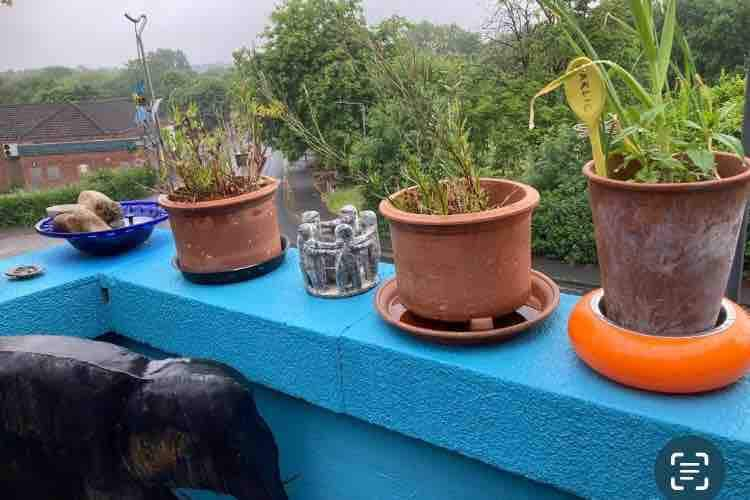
512	26
717	31
210	94
53	84
448	39
163	64
313	56
68	91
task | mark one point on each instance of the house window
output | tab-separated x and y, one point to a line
53	173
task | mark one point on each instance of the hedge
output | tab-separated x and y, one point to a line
25	208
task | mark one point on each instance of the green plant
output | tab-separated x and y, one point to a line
563	227
669	127
313	137
202	160
312	51
250	119
453	187
24	208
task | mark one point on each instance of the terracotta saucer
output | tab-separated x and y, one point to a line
544	299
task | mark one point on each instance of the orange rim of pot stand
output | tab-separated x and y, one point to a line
675	365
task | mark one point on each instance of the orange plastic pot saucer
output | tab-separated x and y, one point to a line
675	365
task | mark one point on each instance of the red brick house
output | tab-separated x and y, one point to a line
47	145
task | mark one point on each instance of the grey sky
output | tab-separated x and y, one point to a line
35	33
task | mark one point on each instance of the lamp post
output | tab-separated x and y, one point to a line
734	288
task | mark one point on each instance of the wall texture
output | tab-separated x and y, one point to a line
363	411
46	171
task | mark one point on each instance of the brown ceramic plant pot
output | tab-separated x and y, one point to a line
466	266
227	234
666	250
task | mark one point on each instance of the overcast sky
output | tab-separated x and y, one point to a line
94	33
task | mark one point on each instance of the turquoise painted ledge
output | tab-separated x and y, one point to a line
527	407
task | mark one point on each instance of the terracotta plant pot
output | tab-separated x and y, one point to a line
222	235
466	266
666	250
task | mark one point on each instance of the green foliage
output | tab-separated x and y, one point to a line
656	127
200	158
25	208
562	226
444	40
210	94
493	77
173	79
342	196
717	30
58	84
313	54
163	64
418	134
250	122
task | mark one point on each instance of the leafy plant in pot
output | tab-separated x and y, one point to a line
461	241
667	205
221	220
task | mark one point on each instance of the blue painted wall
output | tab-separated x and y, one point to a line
524	408
333	456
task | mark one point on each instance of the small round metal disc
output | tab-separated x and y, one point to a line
24	272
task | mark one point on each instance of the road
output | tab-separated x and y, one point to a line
296	195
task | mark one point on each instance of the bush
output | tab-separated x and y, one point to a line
25	208
563	227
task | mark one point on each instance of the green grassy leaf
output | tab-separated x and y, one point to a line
664	57
733	144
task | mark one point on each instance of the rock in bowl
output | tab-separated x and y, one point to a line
140	219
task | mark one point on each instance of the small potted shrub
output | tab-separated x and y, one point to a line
221	220
461	242
667	204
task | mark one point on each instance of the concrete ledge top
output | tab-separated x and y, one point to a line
528	406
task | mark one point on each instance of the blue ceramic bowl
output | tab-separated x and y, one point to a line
142	218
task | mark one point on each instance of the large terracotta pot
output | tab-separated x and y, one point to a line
666	250
467	266
226	234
